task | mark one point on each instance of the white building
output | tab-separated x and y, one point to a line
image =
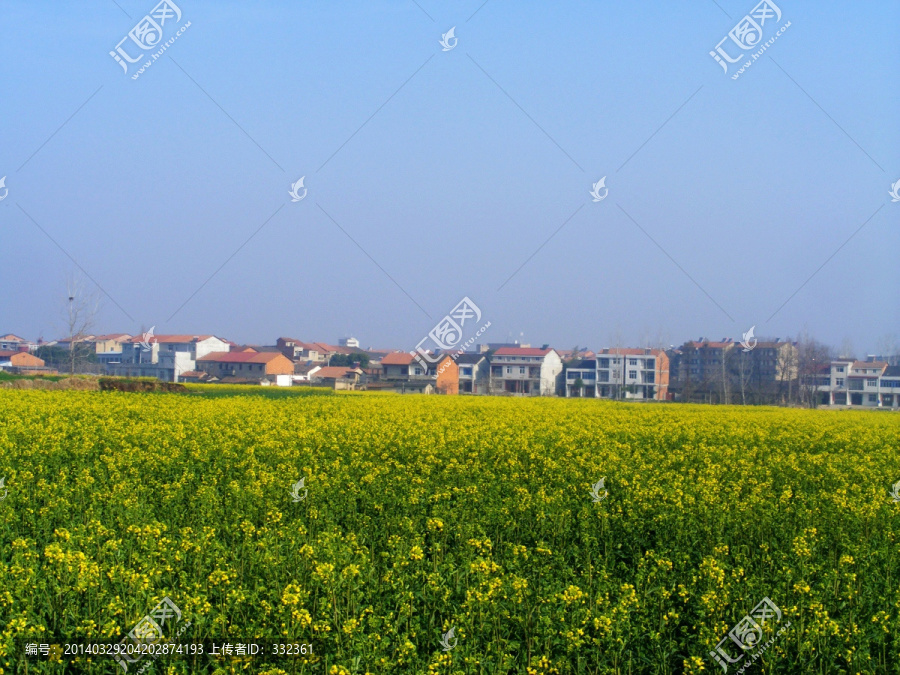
351	342
621	373
526	371
867	384
165	357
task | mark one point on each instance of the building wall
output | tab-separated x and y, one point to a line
280	366
447	377
26	360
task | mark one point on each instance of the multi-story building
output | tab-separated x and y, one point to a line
703	367
13	343
350	342
870	384
621	373
474	373
526	371
165	357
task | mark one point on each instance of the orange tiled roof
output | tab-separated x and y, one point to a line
397	359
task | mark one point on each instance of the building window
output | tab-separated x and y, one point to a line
839	382
418	371
632	362
650	378
651	363
840	369
509	370
466	372
521	370
871	383
632	374
873	398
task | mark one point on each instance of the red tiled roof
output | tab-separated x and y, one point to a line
521	351
630	351
714	345
397	359
241	357
9	337
121	337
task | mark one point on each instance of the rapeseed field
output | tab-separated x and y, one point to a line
371	526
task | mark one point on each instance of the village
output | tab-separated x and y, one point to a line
774	372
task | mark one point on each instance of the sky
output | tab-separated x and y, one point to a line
436	171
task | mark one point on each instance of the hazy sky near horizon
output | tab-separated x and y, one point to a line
432	175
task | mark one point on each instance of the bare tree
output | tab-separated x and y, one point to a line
812	356
82	307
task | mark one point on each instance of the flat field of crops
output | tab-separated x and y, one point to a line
432	534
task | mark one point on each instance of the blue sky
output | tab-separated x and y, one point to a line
434	175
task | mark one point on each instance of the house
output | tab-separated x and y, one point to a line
474	373
488	346
401	366
581	379
703	370
19	361
350	342
420	386
303	372
165	357
13	343
571	355
245	365
889	388
637	374
75	339
319	352
105	344
867	384
525	371
297	350
445	372
108	348
338	377
375	356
